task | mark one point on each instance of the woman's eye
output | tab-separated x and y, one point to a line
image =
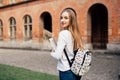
66	17
61	17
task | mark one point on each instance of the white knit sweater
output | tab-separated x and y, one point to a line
65	40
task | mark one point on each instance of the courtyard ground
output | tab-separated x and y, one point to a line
104	66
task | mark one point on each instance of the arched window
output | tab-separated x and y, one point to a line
1	30
27	27
12	28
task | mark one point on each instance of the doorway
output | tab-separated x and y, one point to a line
47	24
98	15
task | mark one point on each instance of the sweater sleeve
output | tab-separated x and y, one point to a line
60	46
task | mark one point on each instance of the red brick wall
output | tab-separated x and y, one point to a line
36	8
119	17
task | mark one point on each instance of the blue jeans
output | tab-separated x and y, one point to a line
68	75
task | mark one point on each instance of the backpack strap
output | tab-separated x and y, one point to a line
67	57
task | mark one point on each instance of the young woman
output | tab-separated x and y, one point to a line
70	39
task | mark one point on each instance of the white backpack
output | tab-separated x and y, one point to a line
81	62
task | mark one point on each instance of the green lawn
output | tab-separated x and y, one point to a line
14	73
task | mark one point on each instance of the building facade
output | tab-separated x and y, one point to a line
30	23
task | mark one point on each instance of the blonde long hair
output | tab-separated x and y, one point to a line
73	28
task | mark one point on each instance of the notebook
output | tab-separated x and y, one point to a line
53	43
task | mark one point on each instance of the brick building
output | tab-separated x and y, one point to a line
29	23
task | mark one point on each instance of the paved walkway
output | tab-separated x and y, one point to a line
104	66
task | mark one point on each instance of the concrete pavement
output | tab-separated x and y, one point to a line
104	66
40	61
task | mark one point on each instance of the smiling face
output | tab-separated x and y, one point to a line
64	20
